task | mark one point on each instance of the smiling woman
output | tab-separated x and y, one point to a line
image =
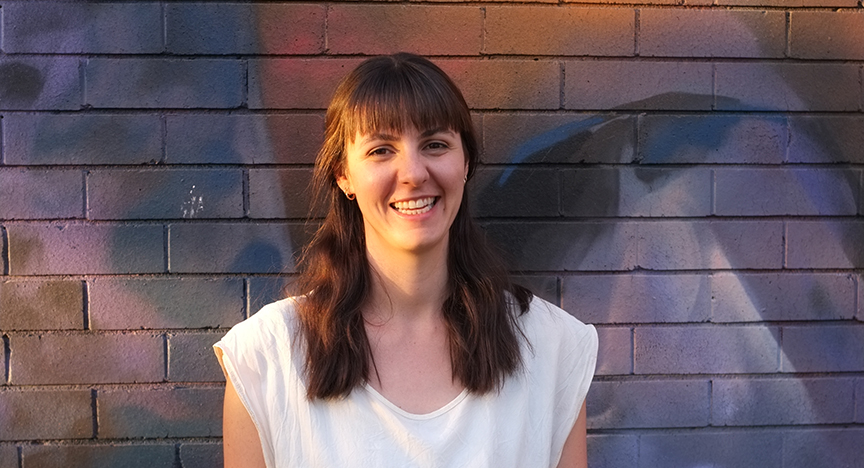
408	346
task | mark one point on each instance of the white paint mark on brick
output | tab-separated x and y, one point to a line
194	205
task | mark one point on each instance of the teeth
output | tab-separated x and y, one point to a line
419	206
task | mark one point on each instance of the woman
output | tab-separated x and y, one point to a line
410	347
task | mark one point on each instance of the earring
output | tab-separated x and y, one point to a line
350	196
465	180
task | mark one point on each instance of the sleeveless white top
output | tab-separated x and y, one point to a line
524	425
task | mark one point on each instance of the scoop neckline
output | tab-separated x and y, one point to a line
392	406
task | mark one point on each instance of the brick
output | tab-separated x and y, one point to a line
728	449
191	358
787	87
500	84
86	359
82	28
600	246
164	194
169	83
515	191
199	28
288	83
52	414
613	449
638	298
129	303
712	139
264	290
826	139
790	3
565	31
618	84
8	456
243	139
711	33
85	249
683	245
41	305
833	348
558	138
761	402
823	448
82	139
280	193
201	455
749	297
826	35
615	356
636	191
771	192
41	194
543	286
648	404
40	83
234	248
100	456
824	244
706	350
158	413
421	29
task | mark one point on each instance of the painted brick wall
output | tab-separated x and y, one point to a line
686	175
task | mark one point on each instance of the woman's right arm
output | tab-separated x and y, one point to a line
240	443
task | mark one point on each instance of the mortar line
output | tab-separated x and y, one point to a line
5	257
94	405
167	350
246	196
637	23
788	49
86	303
166	247
7	367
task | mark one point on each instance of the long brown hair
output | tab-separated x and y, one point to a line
482	305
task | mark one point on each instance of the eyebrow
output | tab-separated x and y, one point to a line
389	137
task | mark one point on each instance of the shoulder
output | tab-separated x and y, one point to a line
273	325
547	323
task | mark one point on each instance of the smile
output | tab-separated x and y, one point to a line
414	207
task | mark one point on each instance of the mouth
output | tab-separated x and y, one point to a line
415	207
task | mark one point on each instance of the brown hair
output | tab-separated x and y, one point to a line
391	92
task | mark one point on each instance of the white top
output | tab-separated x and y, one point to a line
523	425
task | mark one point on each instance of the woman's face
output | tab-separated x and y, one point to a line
408	185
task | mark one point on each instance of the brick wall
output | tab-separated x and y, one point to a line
686	175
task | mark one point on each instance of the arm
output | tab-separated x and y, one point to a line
240	443
575	452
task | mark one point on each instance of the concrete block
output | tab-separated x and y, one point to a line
727	449
132	28
40	83
9	456
636	191
146	455
234	248
789	3
85	249
513	30
41	194
712	139
782	402
648	404
264	290
824	244
289	83
160	412
130	303
826	139
50	414
775	192
280	193
161	83
164	193
41	305
82	139
191	358
201	455
824	35
500	84
823	448
86	359
199	28
610	450
757	297
832	348
243	139
704	349
619	84
638	298
421	29
679	32
615	355
558	138
542	286
567	246
515	191
787	86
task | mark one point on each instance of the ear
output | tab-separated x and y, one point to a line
344	184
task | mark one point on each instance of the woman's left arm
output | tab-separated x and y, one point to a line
575	452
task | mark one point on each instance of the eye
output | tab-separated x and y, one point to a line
380	151
437	146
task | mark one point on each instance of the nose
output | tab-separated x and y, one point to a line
413	170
